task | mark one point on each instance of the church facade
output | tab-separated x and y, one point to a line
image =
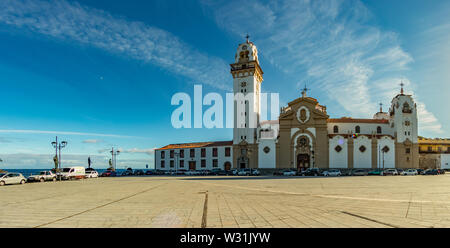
304	135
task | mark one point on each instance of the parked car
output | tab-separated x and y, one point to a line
12	178
420	171
431	172
441	171
180	172
191	173
233	172
278	173
376	172
256	172
289	173
150	172
42	177
127	173
410	172
139	173
392	172
399	171
75	172
311	172
108	173
245	172
359	173
91	174
218	172
332	172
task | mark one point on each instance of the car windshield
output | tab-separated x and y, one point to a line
42	173
66	169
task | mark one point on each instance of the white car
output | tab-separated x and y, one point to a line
244	172
191	173
42	177
91	174
289	173
411	172
256	172
12	178
332	172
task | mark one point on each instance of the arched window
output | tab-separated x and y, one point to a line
378	129
357	129
335	129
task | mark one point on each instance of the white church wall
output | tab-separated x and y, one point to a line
366	128
362	159
389	157
445	161
266	160
338	159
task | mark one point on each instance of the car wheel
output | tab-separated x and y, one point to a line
42	180
2	183
22	182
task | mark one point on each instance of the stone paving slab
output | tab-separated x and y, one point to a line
228	201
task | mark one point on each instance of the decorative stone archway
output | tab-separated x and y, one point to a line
302	149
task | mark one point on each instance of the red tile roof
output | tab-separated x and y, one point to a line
196	145
351	120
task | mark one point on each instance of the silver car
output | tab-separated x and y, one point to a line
12	178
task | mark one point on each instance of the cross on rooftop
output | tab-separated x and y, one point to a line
381	107
247	36
304	90
402	84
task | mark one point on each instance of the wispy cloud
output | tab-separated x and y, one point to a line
149	151
63	133
330	43
77	23
92	141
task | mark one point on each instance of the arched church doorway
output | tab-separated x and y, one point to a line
227	166
303	161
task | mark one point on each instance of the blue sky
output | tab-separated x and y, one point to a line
102	73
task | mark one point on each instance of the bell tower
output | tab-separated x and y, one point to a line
403	119
247	79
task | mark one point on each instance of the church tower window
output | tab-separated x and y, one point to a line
378	129
357	129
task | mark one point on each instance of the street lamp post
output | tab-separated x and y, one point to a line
114	157
58	145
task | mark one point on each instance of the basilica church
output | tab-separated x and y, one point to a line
303	136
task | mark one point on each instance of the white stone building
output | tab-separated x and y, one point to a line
303	136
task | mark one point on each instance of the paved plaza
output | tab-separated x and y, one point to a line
228	201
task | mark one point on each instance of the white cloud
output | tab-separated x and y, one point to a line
149	151
330	43
73	22
63	133
92	141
